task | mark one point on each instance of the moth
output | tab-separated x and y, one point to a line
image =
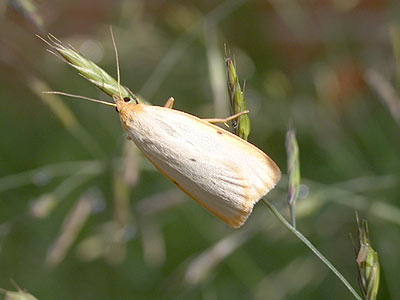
219	170
222	172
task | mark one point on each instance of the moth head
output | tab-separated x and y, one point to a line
121	103
125	106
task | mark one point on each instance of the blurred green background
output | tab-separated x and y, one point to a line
84	216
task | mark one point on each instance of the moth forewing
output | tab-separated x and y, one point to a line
222	172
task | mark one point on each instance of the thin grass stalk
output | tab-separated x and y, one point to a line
302	238
30	12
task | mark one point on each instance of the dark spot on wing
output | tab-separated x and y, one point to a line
219	132
192	159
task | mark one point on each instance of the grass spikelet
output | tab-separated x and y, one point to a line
88	69
238	104
367	262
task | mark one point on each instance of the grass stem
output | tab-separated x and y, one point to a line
299	235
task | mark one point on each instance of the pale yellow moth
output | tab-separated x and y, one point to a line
222	172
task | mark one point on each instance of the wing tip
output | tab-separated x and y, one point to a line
238	220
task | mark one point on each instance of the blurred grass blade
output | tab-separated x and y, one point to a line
88	69
73	223
29	10
159	202
367	262
121	197
200	267
2	9
66	117
44	174
45	203
177	50
216	70
153	242
394	31
242	125
126	174
18	295
293	170
386	92
110	242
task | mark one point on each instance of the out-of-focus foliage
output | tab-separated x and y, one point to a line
17	295
84	216
293	172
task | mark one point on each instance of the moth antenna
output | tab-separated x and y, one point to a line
80	97
117	62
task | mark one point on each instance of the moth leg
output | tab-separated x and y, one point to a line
235	116
169	103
